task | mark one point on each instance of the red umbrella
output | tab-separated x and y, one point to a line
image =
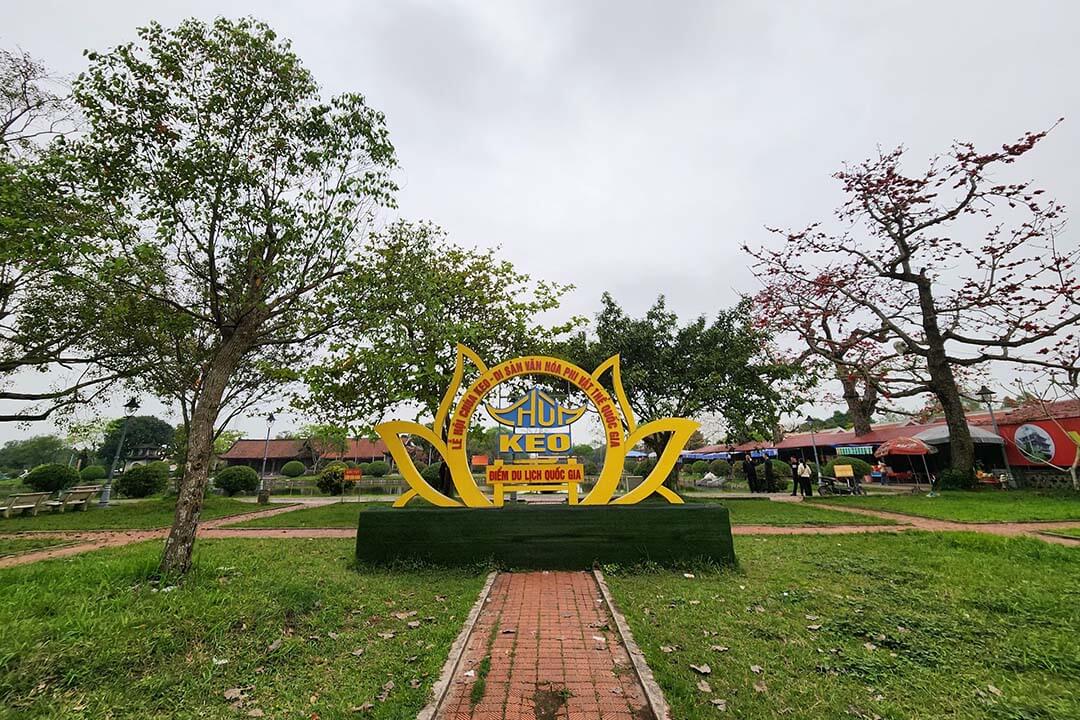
903	446
908	446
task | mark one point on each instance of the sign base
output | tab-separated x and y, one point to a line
548	537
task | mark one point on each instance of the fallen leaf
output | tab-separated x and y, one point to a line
870	646
313	699
760	686
386	635
366	707
994	690
332	635
688	576
415	683
667	649
234	694
255	712
470	673
720	648
695	602
756	669
414	624
704	686
357	652
702	669
813	627
440	598
274	645
719	704
386	690
811	617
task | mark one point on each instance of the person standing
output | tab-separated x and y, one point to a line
751	473
794	463
804	479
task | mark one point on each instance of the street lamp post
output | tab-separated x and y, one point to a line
813	440
264	490
987	395
130	407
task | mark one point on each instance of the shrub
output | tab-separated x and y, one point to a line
782	476
332	479
293	468
93	473
377	469
700	467
860	467
51	477
143	480
953	479
236	479
431	472
643	468
592	469
737	470
720	468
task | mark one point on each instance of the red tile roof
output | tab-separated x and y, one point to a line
360	448
253	449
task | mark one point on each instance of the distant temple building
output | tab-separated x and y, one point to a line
278	452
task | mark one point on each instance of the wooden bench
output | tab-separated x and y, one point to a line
500	488
23	503
78	496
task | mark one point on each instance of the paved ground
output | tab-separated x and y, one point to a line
551	652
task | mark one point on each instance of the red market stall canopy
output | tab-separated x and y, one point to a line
904	446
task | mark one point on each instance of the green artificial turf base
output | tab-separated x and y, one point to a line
547	536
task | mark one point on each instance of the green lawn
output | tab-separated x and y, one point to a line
914	625
289	628
15	546
743	512
135	515
1067	532
976	505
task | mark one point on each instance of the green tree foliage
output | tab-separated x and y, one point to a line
237	479
697	439
670	369
332	479
93	473
243	198
293	468
19	455
699	467
324	440
51	477
141	430
378	468
143	480
860	467
720	468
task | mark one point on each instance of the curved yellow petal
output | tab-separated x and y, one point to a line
615	366
391	433
455	383
681	429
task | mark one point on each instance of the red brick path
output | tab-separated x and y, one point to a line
554	654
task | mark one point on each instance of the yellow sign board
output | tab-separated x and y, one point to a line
621	433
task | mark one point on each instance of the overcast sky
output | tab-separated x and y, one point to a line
633	146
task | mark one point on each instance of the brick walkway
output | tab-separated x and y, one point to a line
545	648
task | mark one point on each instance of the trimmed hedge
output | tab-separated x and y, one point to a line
377	468
720	468
93	473
236	479
431	472
143	480
293	469
547	537
860	467
51	477
699	467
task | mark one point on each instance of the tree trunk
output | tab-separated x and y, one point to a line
943	384
176	559
858	409
658	443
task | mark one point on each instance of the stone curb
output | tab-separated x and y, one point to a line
653	694
457	651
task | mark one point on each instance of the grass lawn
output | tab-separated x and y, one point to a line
135	515
743	512
1067	532
15	546
288	628
976	505
916	625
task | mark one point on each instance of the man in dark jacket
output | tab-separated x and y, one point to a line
751	473
794	463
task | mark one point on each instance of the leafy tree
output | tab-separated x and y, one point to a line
51	477
293	469
1012	294
324	440
670	369
242	200
39	450
438	294
237	479
48	226
143	480
93	473
332	479
697	439
141	430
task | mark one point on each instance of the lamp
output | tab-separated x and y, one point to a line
130	408
264	491
987	396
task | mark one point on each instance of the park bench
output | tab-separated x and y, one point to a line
22	503
500	481
78	496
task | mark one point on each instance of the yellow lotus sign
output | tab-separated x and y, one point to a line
621	433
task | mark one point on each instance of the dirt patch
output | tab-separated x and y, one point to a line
549	700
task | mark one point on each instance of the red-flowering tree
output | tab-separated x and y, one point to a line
949	266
